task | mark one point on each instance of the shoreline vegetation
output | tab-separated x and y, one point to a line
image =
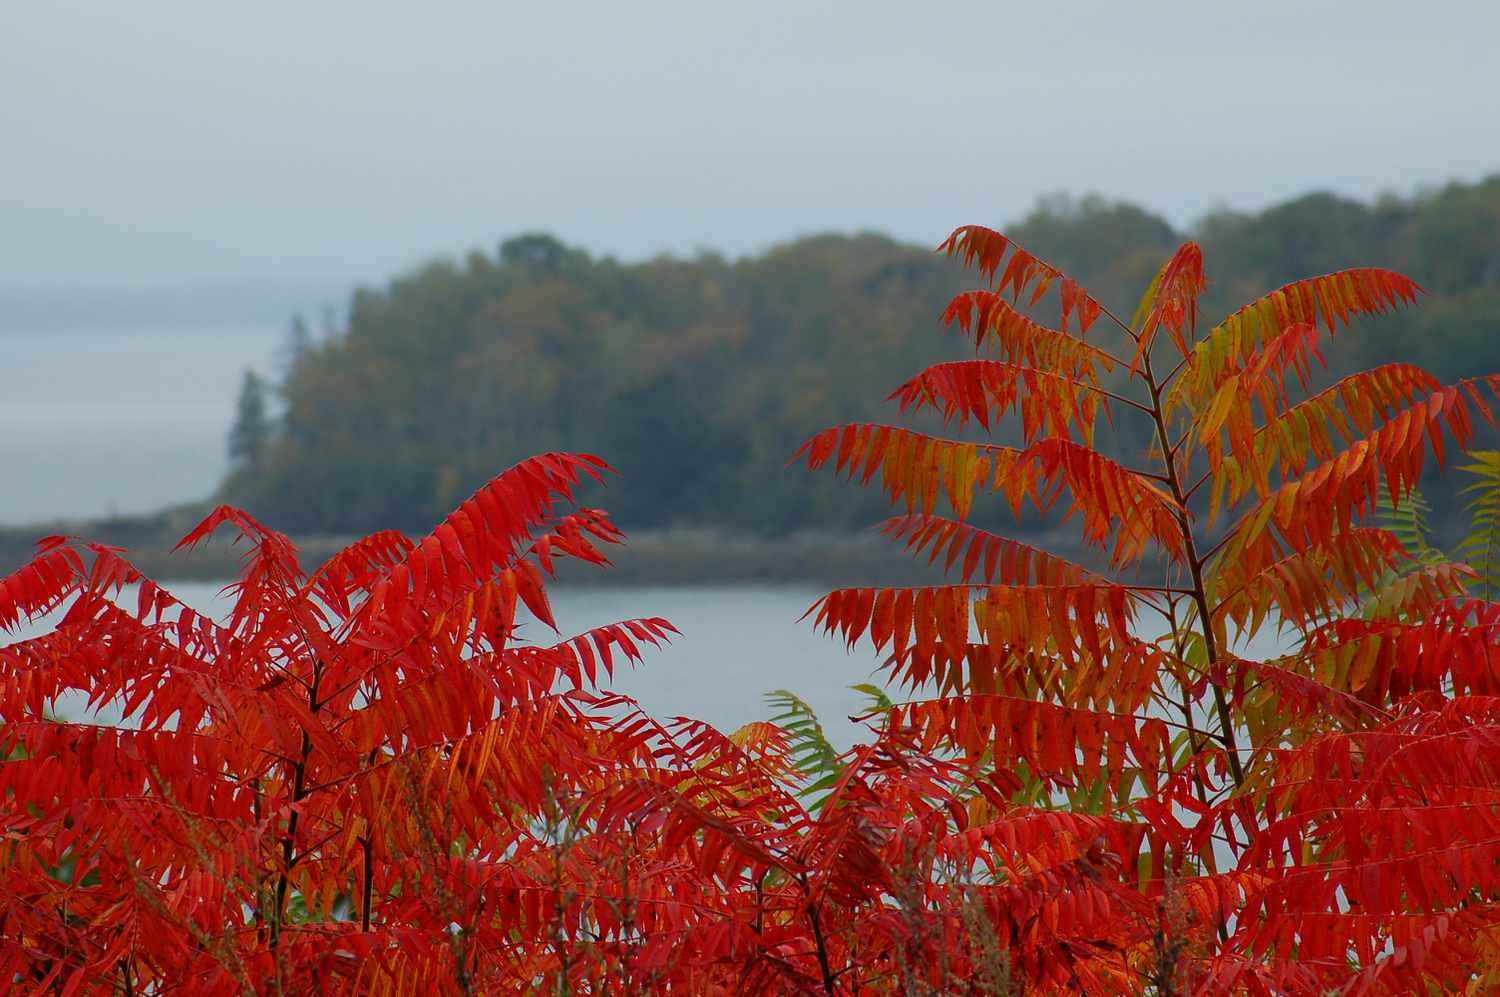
698	378
669	557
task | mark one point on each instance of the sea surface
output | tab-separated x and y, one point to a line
737	643
99	420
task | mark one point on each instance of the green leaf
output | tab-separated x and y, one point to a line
1481	548
815	757
876	696
1408	522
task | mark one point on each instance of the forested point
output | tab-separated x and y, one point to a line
698	378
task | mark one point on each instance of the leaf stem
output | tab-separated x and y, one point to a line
818	940
289	843
368	884
1195	568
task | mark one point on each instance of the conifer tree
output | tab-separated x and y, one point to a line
252	425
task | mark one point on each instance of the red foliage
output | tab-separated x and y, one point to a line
1307	824
366	778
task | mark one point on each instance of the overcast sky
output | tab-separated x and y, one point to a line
155	141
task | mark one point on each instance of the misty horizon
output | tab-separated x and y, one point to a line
322	300
266	295
167	142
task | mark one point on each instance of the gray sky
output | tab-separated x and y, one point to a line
162	141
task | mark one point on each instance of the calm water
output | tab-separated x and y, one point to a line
106	420
737	644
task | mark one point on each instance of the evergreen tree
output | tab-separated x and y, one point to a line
252	426
299	344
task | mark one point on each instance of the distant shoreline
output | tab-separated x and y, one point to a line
683	556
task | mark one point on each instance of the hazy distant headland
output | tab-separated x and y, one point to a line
698	378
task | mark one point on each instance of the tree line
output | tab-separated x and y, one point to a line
698	378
